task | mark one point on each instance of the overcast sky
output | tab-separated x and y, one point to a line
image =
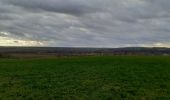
85	23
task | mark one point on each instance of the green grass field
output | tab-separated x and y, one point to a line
86	78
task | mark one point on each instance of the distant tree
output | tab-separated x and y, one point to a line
4	55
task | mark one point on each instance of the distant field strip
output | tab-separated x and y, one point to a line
83	78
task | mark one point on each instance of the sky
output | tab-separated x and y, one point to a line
85	23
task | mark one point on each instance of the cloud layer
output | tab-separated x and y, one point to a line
90	23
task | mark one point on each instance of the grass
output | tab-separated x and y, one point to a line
83	78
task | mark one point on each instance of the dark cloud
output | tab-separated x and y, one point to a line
94	23
74	7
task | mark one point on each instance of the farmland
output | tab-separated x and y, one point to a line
85	77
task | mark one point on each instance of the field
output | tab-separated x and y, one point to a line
86	77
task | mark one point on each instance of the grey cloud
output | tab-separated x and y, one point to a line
75	7
94	23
